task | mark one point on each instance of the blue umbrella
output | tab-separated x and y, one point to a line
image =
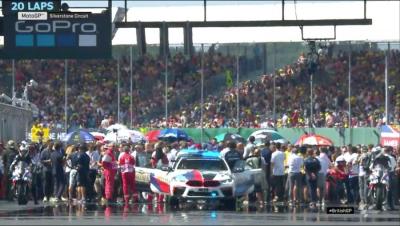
173	134
78	136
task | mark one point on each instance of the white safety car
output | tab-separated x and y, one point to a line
199	176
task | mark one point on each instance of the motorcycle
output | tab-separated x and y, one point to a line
21	179
378	186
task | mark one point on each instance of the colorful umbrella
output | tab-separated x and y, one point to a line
170	134
116	127
152	136
313	139
98	135
125	135
267	134
224	137
78	136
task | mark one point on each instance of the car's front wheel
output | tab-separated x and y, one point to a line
229	203
173	202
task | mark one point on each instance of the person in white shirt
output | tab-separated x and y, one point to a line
325	163
363	164
295	163
105	122
250	146
353	167
278	171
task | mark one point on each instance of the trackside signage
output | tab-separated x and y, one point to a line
58	35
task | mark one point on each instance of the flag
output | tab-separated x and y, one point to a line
390	135
229	80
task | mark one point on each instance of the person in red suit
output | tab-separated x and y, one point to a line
127	165
110	169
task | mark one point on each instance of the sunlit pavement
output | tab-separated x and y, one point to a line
159	214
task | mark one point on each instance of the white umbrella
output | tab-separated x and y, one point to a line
272	135
125	135
116	127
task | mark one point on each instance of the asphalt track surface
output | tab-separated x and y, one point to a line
143	214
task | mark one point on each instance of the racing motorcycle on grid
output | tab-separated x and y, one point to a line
378	186
21	179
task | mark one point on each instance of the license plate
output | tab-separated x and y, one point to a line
203	189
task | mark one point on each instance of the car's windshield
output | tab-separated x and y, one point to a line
202	164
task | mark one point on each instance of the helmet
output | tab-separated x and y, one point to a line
23	148
11	144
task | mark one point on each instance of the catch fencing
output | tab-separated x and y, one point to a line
15	122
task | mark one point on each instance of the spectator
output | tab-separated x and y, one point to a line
312	167
325	163
278	172
295	163
57	163
249	147
83	166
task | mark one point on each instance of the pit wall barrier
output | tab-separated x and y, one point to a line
339	136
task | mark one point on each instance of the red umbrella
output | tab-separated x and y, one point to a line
152	135
313	139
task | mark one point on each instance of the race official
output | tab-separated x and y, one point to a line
127	165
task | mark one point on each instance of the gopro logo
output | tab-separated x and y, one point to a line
55	26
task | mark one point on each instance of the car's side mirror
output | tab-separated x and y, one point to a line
238	169
166	168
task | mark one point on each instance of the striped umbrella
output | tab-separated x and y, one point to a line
313	139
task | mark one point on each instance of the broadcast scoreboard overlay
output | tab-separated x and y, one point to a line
39	29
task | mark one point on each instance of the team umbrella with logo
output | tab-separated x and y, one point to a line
313	139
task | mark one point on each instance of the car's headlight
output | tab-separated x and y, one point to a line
226	181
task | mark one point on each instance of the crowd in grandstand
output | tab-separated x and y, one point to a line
292	96
92	92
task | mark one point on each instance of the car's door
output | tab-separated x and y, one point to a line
160	181
142	178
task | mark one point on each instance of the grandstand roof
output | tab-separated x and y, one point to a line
385	17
